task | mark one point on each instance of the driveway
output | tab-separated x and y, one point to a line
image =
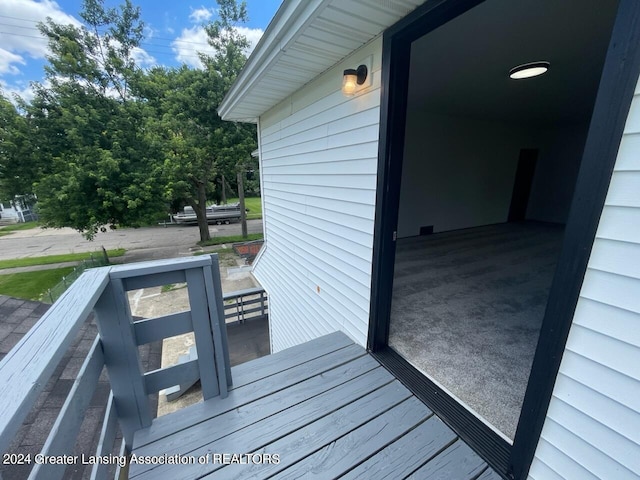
157	242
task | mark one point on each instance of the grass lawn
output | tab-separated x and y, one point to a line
232	239
254	204
226	256
219	251
49	259
30	285
7	230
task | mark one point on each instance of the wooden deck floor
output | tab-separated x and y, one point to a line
326	408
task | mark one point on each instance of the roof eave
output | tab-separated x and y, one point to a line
284	28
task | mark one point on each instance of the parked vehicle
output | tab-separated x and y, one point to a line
217	214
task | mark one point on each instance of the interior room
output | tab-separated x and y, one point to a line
489	168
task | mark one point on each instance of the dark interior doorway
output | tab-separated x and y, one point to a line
490	165
618	81
522	183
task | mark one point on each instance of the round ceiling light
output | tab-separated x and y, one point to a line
528	70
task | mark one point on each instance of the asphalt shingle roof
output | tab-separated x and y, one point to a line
16	318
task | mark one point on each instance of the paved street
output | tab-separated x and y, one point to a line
149	242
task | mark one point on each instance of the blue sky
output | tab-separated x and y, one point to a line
173	33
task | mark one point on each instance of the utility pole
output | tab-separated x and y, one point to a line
223	201
243	210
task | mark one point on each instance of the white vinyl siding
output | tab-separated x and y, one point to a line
318	154
592	428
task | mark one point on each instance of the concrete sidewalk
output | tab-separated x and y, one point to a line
37	268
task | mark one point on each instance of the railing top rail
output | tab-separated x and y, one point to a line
242	293
28	366
158	266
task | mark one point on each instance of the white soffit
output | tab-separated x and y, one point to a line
305	38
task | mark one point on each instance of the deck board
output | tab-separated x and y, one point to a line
326	408
291	357
226	423
339	456
407	454
300	442
489	474
250	392
457	461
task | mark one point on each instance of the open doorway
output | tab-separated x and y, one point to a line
488	174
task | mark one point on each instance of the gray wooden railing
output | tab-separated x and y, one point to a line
25	370
243	305
240	306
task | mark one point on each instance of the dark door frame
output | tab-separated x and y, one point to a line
620	74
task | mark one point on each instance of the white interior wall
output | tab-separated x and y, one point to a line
459	172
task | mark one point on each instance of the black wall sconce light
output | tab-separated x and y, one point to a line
352	78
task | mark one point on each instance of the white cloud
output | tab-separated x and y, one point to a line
20	38
142	57
23	91
7	59
149	32
253	35
189	43
201	14
193	40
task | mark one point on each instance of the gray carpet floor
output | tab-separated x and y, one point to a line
467	309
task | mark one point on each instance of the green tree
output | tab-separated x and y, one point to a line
18	170
9	146
236	141
101	167
230	46
198	147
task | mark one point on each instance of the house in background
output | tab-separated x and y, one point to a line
18	210
479	234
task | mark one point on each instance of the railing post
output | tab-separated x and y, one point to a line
205	336
122	359
217	290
